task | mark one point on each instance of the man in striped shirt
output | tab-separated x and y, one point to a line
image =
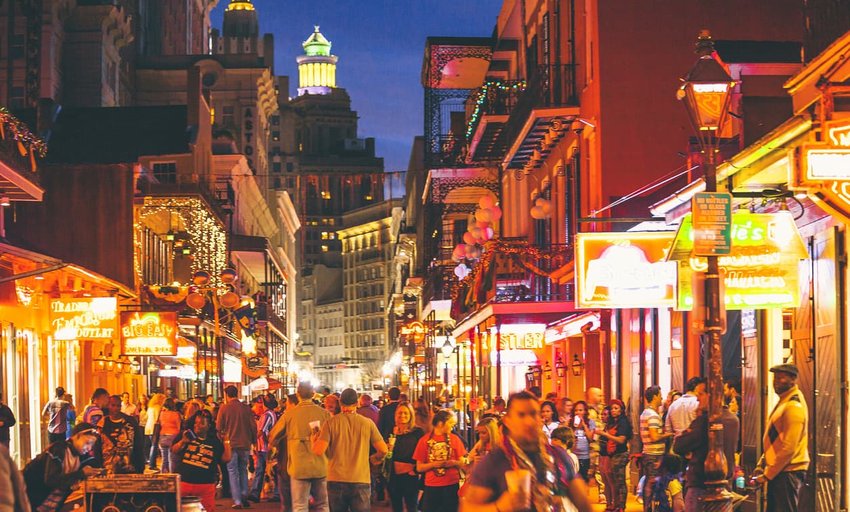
265	422
654	438
786	450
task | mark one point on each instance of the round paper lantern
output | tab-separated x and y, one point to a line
547	208
496	213
539	201
489	233
468	238
201	277
459	252
485	214
487	201
481	224
537	213
470	251
229	300
476	233
195	300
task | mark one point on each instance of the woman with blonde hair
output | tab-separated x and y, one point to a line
403	481
489	436
154	408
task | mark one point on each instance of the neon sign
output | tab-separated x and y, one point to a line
84	319
830	160
623	270
148	334
762	269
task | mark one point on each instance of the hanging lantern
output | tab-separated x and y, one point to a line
484	214
496	213
537	213
468	238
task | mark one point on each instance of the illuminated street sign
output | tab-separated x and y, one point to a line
93	318
148	333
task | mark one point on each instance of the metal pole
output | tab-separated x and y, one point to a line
717	498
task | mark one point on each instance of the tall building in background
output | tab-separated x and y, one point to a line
826	21
168	27
337	171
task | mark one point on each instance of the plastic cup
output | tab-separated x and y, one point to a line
519	480
315	425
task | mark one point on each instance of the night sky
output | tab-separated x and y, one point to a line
380	45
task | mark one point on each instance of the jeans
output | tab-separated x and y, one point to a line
349	497
650	469
404	492
783	492
440	499
301	491
237	472
259	475
584	468
154	453
165	443
693	499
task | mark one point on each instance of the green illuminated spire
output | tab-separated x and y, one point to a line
317	44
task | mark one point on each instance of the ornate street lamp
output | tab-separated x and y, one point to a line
707	92
447	348
547	370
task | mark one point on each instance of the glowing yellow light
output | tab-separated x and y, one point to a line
240	5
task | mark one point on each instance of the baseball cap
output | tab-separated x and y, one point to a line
348	397
785	368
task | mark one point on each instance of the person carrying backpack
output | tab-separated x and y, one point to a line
667	495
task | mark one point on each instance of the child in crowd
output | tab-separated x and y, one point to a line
563	437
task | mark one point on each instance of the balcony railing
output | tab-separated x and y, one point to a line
447	151
438	283
11	156
523	274
548	86
494	98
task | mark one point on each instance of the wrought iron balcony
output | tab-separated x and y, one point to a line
438	283
548	86
446	151
487	110
19	176
524	273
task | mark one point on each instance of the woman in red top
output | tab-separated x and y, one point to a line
438	455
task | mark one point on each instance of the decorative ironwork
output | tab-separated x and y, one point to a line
441	187
439	106
34	25
442	55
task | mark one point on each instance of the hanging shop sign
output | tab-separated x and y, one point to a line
148	333
762	269
414	330
830	159
93	318
624	270
712	223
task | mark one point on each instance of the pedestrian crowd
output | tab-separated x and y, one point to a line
340	452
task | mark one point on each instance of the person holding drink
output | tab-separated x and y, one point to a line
438	454
524	472
197	454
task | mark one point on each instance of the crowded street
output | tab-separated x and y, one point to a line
424	255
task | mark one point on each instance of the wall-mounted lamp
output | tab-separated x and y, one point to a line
577	365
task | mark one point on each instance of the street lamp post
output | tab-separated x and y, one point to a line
707	91
203	292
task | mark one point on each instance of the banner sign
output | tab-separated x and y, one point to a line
148	333
624	270
93	318
712	223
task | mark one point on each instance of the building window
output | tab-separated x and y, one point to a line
17	49
275	120
276	136
324	248
165	172
289	167
326	194
227	115
324	235
276	167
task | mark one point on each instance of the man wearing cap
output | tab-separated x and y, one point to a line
346	438
785	460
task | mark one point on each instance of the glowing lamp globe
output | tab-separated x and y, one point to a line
201	277
495	213
229	300
486	202
228	276
195	300
468	238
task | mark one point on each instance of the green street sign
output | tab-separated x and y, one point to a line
712	223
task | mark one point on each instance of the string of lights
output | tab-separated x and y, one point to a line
482	96
207	236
